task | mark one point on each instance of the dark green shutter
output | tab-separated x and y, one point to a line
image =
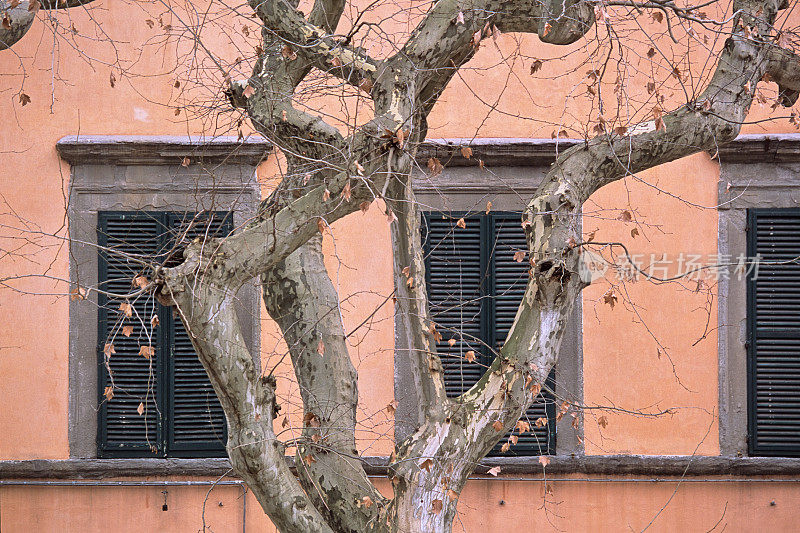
774	324
198	424
182	415
455	280
474	290
509	279
121	430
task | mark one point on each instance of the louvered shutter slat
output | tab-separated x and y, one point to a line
774	316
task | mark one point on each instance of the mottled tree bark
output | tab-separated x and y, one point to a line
332	176
18	17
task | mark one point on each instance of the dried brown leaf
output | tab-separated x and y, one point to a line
435	166
147	351
610	298
291	55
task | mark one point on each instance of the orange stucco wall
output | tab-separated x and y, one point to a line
565	504
623	365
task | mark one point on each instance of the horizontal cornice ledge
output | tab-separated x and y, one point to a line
761	148
160	150
751	148
170	150
506	152
605	465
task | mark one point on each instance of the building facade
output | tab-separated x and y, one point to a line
682	398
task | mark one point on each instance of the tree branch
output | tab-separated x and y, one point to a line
554	21
549	223
413	328
784	69
317	46
16	21
300	297
207	310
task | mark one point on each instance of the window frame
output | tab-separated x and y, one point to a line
756	172
488	335
134	173
512	170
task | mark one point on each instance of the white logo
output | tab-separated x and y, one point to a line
592	266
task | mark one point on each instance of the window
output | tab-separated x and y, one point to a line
144	181
474	288
773	303
155	402
759	179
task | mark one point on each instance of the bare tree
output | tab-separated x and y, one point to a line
332	174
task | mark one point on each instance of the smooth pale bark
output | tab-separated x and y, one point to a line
413	327
331	177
